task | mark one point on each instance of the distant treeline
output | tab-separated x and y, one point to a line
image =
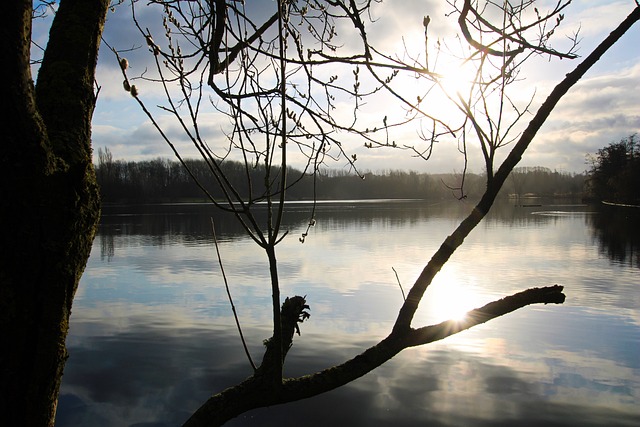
165	180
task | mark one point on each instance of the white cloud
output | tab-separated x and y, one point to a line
600	109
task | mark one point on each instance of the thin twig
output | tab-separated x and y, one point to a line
399	284
233	307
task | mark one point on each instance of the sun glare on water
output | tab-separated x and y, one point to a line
448	299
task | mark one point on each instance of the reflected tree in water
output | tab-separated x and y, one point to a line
617	232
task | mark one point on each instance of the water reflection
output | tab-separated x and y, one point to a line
152	334
617	232
156	375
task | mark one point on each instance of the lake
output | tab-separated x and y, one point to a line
152	333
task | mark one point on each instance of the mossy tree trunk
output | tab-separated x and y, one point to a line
49	199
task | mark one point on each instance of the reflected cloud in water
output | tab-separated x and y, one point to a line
157	375
152	334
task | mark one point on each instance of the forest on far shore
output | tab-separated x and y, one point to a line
163	180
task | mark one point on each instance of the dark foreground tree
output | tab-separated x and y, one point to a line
281	83
49	203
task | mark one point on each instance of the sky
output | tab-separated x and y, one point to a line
604	107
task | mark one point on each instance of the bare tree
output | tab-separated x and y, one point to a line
279	86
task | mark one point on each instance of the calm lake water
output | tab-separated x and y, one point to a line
152	335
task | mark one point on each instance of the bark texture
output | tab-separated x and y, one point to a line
49	205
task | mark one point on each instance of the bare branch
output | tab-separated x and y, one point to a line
231	402
453	241
546	295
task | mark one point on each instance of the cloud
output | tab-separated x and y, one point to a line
600	109
132	136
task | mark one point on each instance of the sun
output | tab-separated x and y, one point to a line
439	96
457	78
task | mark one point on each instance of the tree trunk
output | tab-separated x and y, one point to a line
49	204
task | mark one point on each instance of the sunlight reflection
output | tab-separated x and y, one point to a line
449	298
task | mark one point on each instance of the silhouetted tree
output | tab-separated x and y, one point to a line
275	81
614	175
49	202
